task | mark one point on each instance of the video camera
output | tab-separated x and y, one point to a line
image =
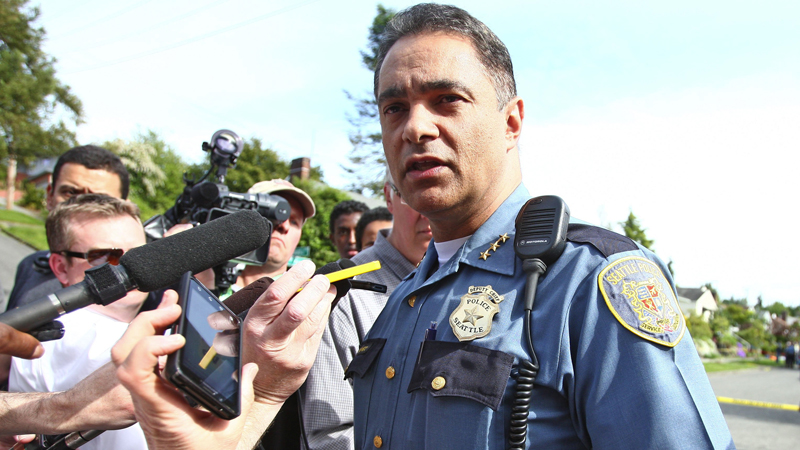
203	200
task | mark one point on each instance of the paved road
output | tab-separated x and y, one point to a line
12	252
757	428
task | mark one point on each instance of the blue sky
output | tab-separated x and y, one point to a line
686	113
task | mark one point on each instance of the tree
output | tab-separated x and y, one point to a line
316	229
635	231
367	161
156	171
32	99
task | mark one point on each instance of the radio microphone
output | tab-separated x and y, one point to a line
150	267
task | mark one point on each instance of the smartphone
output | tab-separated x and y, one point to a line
207	368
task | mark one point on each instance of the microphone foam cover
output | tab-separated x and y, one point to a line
161	263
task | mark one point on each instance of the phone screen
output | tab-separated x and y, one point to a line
209	361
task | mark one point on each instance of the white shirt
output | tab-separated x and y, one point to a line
85	347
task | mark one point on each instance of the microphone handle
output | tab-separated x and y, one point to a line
41	311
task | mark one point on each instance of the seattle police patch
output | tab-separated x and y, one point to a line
639	296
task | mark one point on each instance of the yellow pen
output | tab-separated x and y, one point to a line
350	272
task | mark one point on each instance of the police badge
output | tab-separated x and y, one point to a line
472	319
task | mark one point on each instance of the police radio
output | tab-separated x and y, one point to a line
541	234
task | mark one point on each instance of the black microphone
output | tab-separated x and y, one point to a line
150	267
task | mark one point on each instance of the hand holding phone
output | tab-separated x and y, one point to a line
206	369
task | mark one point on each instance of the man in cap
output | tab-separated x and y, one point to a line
285	235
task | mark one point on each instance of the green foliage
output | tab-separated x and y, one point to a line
698	327
737	315
33	197
370	58
30	94
736	301
633	229
315	230
719	324
367	161
156	171
758	336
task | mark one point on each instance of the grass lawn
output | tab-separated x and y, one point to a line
18	217
719	366
27	229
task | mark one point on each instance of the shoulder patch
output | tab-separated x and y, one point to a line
639	296
605	241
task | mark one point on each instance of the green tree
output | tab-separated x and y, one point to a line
367	161
698	327
316	230
737	315
33	102
156	171
633	229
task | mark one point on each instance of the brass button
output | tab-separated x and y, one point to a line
390	372
411	300
377	441
438	383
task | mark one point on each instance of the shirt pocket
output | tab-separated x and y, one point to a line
367	353
460	369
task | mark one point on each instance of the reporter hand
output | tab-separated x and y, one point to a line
167	420
19	344
283	330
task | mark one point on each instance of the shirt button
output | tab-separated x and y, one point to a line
390	372
377	441
438	383
411	300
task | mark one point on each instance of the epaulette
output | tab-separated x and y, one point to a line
605	241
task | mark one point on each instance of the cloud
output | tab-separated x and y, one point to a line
709	172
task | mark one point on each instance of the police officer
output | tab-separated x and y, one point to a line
617	368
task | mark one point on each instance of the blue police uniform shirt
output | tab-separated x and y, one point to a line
602	383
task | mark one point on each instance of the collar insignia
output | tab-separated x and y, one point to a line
494	246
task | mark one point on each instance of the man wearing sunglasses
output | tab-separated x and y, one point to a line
81	170
86	231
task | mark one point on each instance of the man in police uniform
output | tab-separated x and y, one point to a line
617	367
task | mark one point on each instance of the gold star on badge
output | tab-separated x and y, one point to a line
494	247
485	255
471	317
504	237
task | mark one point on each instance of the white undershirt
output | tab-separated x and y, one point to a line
446	250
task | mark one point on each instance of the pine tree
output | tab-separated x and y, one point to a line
633	229
367	162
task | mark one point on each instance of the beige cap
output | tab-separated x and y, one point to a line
283	188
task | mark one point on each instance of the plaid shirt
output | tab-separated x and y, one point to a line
327	399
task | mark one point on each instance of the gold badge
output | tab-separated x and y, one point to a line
472	319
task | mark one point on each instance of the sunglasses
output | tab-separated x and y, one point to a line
97	256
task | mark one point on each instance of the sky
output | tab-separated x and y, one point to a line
685	113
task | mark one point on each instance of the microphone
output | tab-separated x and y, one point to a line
150	267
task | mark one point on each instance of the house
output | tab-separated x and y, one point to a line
698	301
